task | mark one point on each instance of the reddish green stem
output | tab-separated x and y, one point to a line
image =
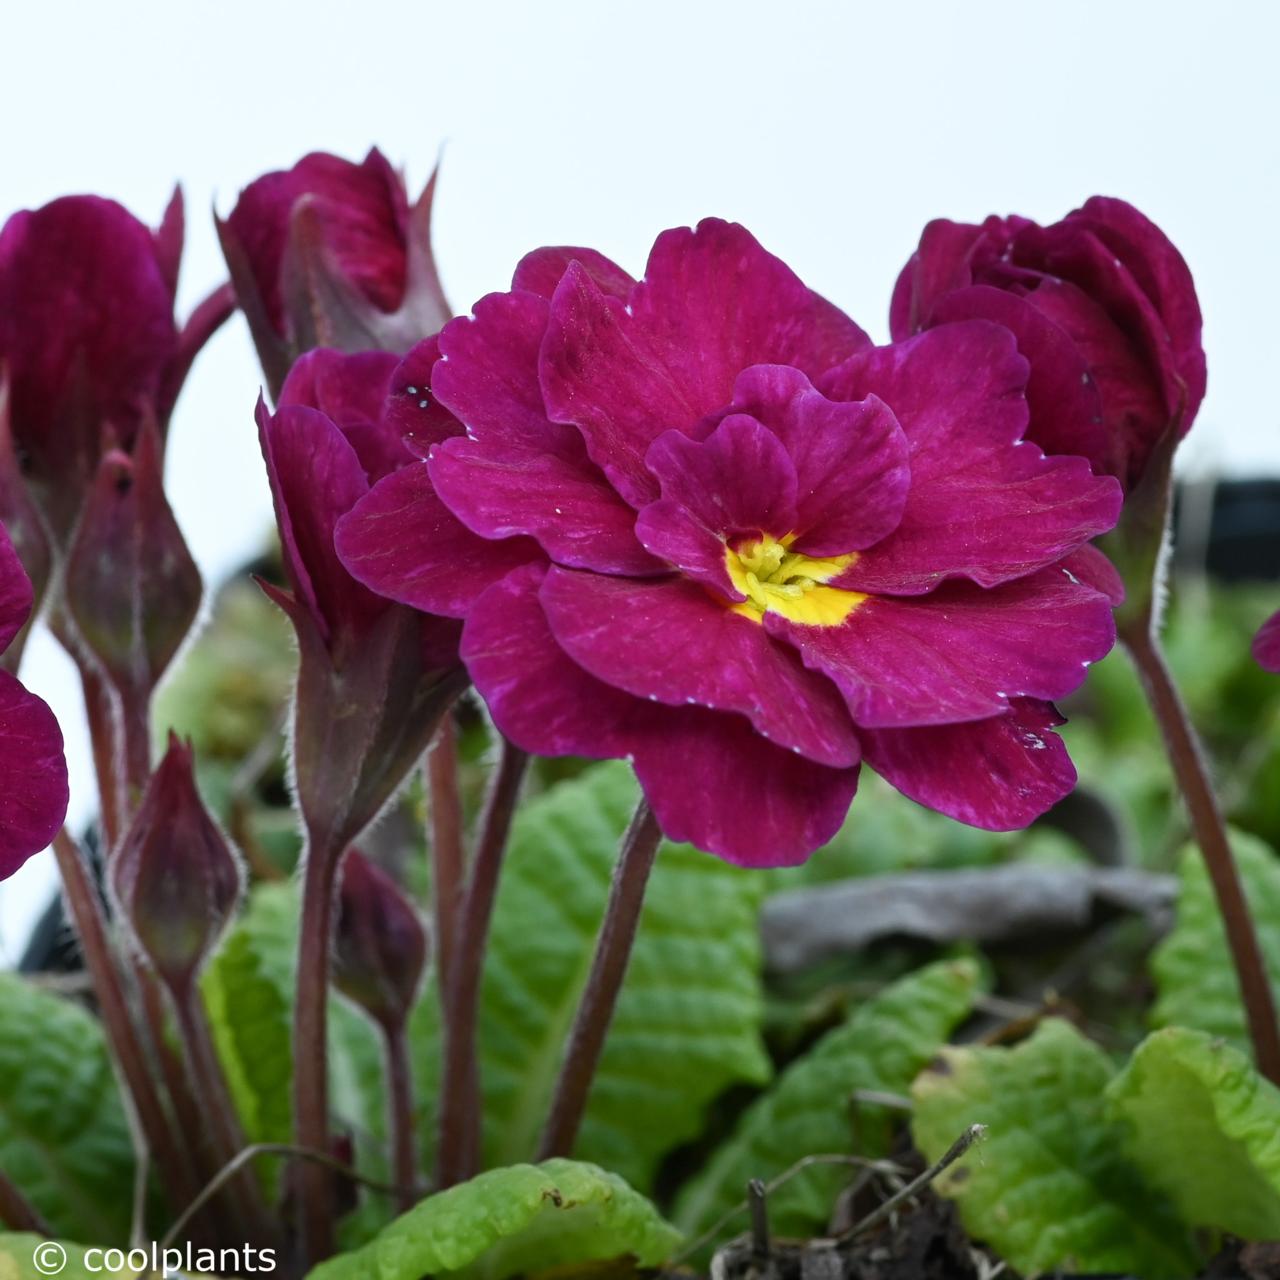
600	996
130	1058
1187	760
310	1051
447	869
404	1154
458	1154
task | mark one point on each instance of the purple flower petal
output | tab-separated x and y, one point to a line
739	480
540	271
710	778
1062	393
671	642
998	774
403	542
502	491
520	473
961	652
316	478
982	505
412	413
16	595
33	775
715	783
712	303
1266	644
850	459
352	391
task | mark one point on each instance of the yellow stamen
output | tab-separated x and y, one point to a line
776	579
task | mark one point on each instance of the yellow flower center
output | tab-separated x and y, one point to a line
776	579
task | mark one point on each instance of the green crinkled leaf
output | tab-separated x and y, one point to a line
882	1046
1195	978
1204	1126
64	1139
519	1220
1050	1187
688	1020
248	990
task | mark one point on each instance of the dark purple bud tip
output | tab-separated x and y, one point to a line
176	878
380	949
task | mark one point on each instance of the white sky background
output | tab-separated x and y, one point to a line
833	130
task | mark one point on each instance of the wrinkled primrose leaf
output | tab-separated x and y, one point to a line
1204	1127
882	1046
520	1220
1195	979
64	1139
1050	1188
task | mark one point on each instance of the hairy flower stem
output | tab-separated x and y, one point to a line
447	869
16	1211
458	1153
226	1138
86	912
100	713
404	1153
314	1183
1187	760
600	996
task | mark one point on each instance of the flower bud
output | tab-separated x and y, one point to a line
380	947
374	677
87	336
331	253
132	588
1104	309
175	876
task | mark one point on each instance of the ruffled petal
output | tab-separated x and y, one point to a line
500	491
401	541
315	479
670	642
962	652
722	787
540	271
981	505
710	778
1063	396
998	774
412	413
740	479
488	376
352	390
16	595
850	459
712	303
33	775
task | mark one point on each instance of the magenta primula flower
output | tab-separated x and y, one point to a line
1266	644
331	253
700	522
33	772
88	340
1104	308
374	676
